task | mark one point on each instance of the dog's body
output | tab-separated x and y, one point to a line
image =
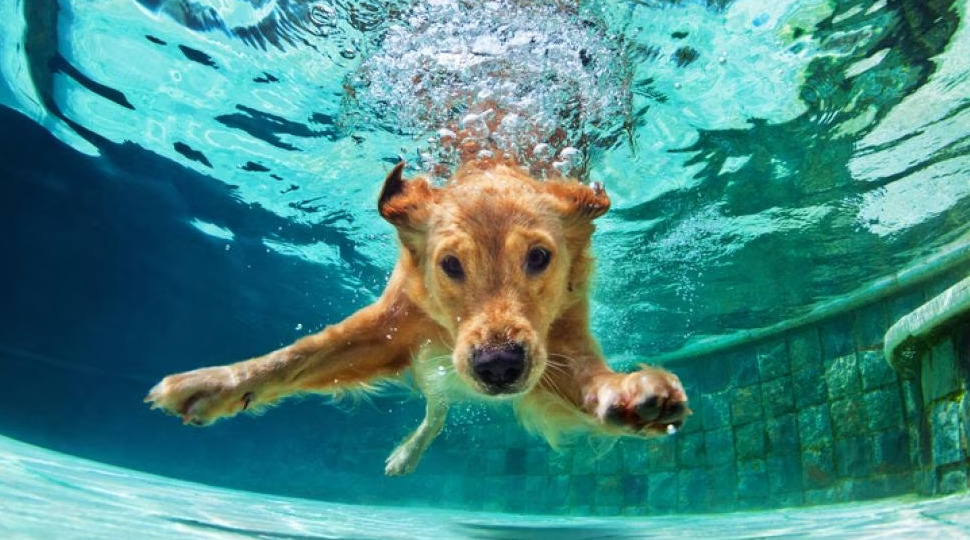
489	298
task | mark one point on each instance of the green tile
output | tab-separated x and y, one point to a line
940	375
694	491
609	492
749	441
848	418
635	490
875	370
890	452
815	427
746	405
808	384
852	457
842	377
778	396
662	492
582	489
946	433
818	468
690	449
752	481
804	350
635	455
716	410
884	409
784	473
773	360
662	454
720	446
782	434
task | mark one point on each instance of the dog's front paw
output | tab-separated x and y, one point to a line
200	397
648	402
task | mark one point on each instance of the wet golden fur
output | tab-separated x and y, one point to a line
491	218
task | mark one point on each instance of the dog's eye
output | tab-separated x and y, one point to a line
451	266
537	260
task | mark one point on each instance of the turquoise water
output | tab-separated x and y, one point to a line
192	182
51	495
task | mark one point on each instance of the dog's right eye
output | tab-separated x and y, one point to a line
451	266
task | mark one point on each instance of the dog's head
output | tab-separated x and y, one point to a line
495	258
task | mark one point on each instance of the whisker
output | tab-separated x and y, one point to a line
552	384
441	338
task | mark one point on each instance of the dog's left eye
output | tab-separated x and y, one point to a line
451	266
537	260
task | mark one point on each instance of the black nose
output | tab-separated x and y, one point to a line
499	368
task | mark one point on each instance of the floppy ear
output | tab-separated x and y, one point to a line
579	201
405	204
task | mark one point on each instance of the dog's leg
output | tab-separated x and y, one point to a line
647	402
377	341
650	401
404	459
432	374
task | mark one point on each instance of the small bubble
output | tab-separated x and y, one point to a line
299	326
228	247
570	154
543	151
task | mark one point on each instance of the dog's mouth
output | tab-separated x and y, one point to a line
500	370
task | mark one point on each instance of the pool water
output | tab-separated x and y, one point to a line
192	182
51	495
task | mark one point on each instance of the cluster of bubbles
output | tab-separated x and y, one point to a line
537	83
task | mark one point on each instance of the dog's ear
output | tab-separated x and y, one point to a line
405	204
580	201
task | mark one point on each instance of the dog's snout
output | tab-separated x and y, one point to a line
499	368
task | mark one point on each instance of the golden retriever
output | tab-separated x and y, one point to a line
489	298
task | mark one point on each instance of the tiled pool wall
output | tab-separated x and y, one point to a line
811	416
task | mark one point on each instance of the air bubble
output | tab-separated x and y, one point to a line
502	76
543	151
571	155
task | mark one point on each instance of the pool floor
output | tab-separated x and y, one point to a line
47	495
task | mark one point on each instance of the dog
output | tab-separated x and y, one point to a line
489	298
